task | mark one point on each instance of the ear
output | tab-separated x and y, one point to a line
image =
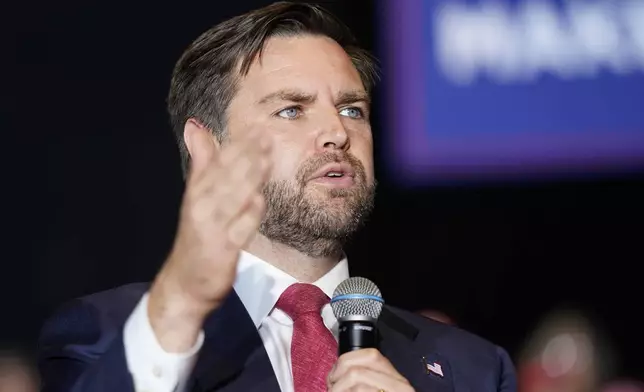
194	130
201	144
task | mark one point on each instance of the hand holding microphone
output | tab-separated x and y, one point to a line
357	304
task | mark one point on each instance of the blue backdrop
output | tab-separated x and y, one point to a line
498	90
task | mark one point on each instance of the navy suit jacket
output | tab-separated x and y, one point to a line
81	350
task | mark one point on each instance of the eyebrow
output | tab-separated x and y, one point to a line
297	96
288	95
353	96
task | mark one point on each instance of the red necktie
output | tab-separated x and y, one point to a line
314	350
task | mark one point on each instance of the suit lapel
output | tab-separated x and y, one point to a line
233	357
397	343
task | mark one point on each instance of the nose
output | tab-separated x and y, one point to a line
333	135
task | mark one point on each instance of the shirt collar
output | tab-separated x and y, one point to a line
259	284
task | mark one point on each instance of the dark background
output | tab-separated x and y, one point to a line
93	184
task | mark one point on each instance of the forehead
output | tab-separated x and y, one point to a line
311	63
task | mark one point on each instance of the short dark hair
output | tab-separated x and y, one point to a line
204	80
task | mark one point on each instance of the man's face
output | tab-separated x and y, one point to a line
308	96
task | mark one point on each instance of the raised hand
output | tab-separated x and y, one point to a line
220	213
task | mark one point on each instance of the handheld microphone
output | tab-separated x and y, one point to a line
357	304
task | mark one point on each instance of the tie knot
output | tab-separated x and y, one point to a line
301	298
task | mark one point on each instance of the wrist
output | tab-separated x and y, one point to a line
175	318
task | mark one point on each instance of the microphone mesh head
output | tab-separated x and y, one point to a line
347	299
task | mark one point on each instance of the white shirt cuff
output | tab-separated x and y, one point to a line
152	368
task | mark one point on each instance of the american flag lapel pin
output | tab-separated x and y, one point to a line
433	367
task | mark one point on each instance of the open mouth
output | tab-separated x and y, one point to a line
335	174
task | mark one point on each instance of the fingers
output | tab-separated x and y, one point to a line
366	370
239	157
359	378
365	358
243	144
243	227
244	160
248	161
240	179
225	181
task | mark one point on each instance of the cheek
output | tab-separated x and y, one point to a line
369	170
362	149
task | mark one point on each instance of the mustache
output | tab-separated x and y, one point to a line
315	163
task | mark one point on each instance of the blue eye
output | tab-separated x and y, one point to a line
352	112
290	113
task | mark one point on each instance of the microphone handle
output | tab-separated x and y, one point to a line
355	335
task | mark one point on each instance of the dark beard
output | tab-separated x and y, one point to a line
314	226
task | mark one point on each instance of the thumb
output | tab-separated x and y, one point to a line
200	144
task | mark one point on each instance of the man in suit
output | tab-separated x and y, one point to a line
271	111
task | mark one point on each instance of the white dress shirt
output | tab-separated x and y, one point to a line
259	285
